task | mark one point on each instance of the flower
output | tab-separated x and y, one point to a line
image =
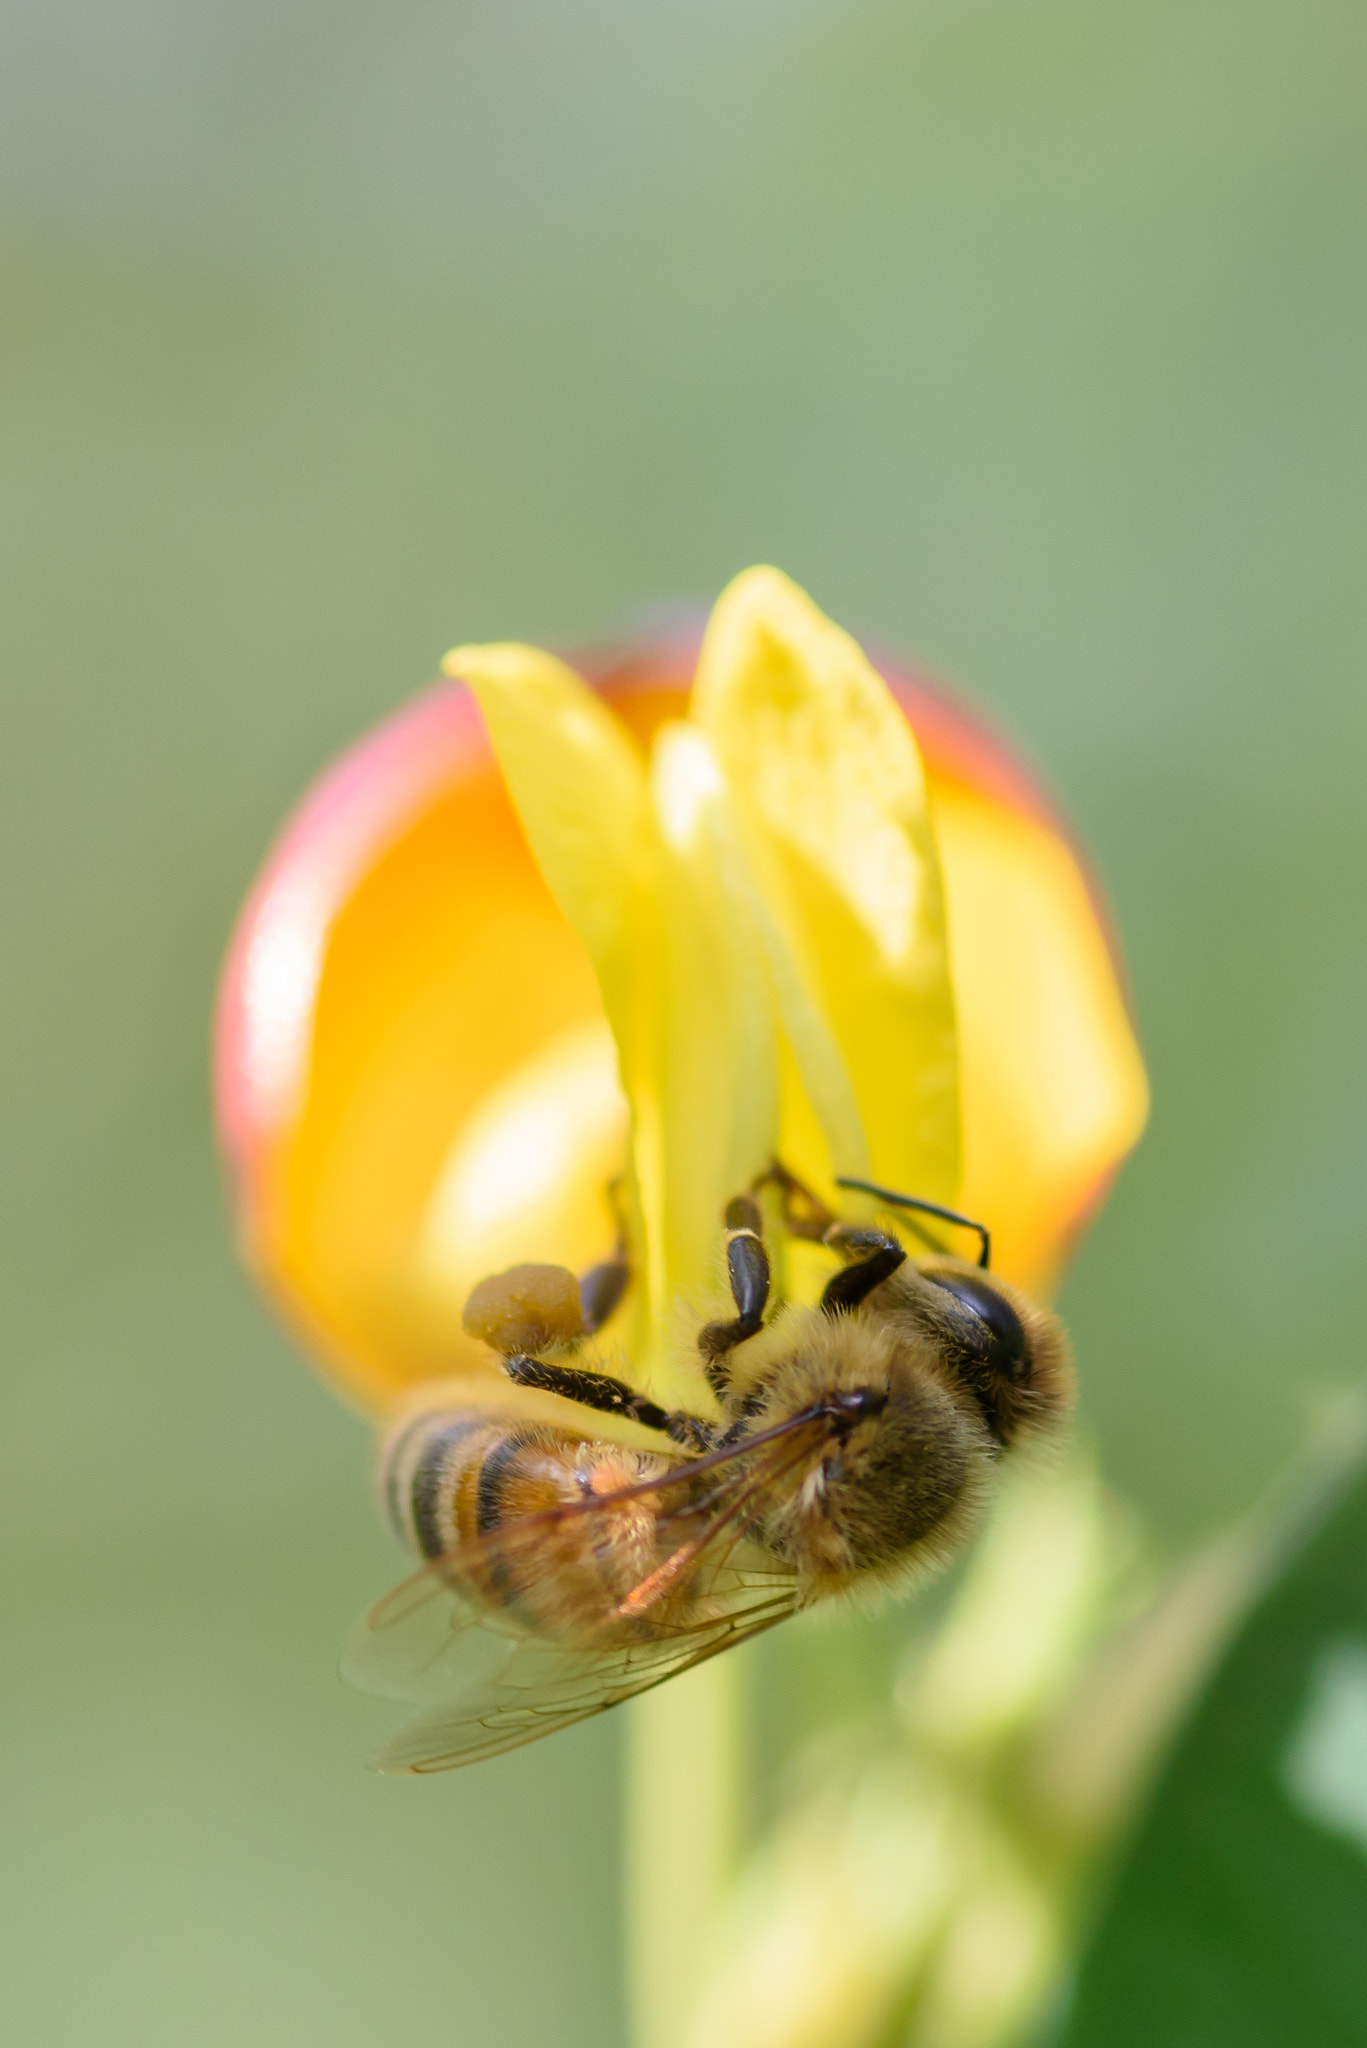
543	933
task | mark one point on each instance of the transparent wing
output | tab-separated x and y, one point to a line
486	1681
532	1688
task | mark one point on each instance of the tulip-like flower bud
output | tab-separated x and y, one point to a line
557	959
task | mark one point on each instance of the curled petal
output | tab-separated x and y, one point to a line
717	1071
832	783
578	787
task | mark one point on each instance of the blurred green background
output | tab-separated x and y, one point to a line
1030	337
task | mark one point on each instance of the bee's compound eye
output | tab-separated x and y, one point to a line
1004	1350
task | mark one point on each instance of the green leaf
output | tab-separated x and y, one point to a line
1239	1915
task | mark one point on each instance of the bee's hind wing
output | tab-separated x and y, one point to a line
508	1693
425	1638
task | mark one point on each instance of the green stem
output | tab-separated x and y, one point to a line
683	1798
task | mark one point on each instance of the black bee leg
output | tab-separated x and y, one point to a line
598	1390
602	1287
691	1431
747	1265
896	1201
872	1255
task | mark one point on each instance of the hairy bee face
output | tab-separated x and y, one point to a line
938	1375
907	1460
909	1483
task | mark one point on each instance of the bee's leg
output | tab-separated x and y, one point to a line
747	1265
591	1389
804	1214
608	1396
872	1255
602	1287
896	1201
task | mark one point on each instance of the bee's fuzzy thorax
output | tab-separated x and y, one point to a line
894	1498
806	1355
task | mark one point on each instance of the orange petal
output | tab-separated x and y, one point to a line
1054	1092
398	963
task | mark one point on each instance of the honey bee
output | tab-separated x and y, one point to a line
567	1568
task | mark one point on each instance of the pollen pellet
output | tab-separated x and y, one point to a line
526	1309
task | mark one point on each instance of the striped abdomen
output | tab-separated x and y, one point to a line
465	1480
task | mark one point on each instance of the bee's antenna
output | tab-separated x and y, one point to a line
889	1195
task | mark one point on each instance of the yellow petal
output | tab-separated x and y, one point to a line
828	776
576	781
579	788
717	1059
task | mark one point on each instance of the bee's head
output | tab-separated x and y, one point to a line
900	1463
906	1465
1009	1353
